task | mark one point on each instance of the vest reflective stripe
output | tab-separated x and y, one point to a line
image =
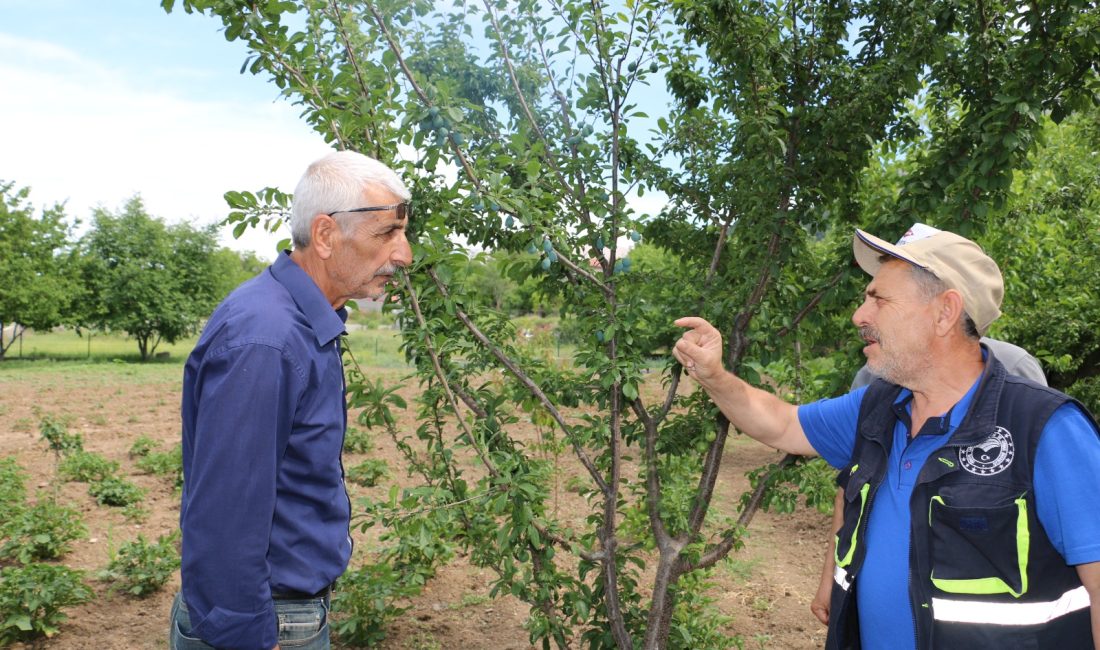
973	611
847	559
840	576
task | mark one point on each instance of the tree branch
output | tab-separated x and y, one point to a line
313	91
467	168
802	313
720	550
522	377
652	476
523	99
339	23
444	381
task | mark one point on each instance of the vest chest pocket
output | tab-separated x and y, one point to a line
979	550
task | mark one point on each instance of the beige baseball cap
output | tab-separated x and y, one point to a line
958	262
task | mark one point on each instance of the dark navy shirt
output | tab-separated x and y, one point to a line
264	507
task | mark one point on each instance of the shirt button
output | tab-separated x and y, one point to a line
908	464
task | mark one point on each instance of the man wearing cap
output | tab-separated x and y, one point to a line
264	510
972	503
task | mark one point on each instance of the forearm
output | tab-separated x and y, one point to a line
838	521
1090	578
758	413
1095	611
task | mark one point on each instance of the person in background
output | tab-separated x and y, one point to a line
264	511
971	514
1016	360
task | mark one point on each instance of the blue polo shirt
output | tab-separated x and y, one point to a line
264	508
1067	495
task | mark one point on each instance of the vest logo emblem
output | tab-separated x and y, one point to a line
991	456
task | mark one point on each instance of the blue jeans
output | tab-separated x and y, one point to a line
303	625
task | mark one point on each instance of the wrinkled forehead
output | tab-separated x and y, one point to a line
895	276
377	194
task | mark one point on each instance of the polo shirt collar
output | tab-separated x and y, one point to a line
327	323
945	423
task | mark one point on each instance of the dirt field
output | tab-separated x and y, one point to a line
765	588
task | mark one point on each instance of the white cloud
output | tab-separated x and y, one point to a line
78	131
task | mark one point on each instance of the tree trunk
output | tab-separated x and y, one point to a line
660	608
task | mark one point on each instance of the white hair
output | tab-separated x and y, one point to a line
335	183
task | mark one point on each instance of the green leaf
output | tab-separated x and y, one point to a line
630	391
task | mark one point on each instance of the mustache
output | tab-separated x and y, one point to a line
868	333
388	269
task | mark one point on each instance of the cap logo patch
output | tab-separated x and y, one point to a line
991	456
918	232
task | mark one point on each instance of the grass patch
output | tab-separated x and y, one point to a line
378	347
741	569
65	344
470	600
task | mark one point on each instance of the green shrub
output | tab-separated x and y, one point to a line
142	446
13	489
364	604
115	491
86	467
32	598
368	472
164	463
55	432
358	441
43	531
141	568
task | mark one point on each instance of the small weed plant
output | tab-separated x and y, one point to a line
33	597
115	491
135	513
142	446
358	441
55	431
86	467
44	531
140	567
13	490
368	472
164	463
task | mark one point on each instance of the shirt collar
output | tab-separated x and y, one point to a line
954	416
327	323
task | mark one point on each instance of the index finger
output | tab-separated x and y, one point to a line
694	322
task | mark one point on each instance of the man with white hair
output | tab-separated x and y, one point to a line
971	511
264	511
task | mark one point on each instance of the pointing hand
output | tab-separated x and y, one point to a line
699	350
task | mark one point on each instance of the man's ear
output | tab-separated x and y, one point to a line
323	235
951	311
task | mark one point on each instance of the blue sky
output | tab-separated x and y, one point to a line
104	100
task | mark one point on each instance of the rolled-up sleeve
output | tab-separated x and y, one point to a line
244	398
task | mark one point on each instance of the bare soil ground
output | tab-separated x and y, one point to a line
765	588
